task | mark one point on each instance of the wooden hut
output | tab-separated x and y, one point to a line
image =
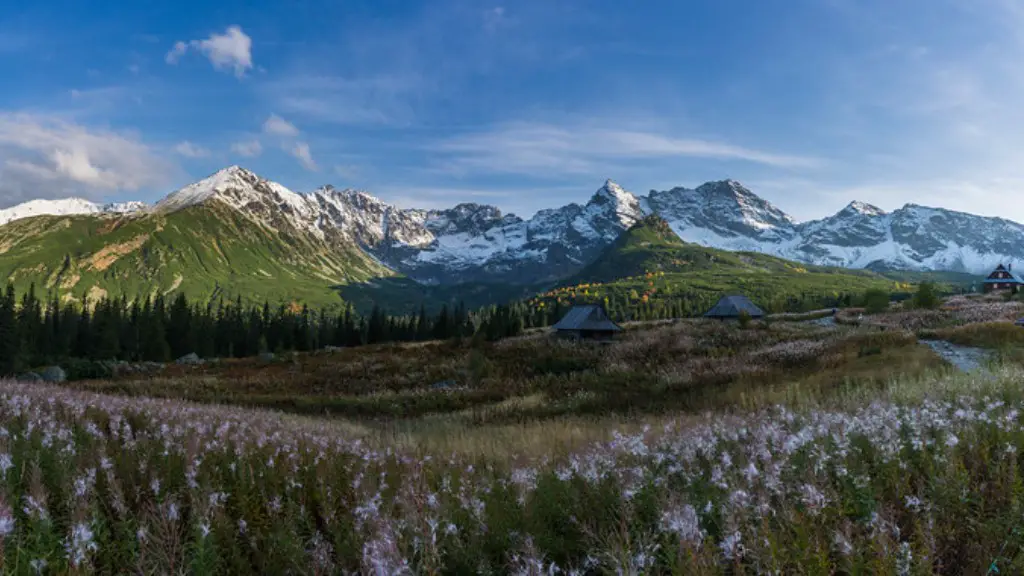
1002	278
730	307
589	322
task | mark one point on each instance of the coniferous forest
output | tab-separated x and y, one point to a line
36	330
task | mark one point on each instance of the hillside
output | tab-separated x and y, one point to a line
649	271
204	251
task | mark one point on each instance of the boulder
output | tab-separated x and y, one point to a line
267	357
30	377
190	359
53	374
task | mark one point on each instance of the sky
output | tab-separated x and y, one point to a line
525	105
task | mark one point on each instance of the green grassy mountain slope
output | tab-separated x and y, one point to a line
205	251
650	267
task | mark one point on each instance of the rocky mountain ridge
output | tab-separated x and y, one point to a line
474	242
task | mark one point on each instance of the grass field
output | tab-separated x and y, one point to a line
685	447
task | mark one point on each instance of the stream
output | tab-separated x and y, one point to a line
964	358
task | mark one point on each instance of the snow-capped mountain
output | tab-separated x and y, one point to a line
724	215
466	242
66	207
473	242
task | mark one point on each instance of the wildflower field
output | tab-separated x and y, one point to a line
692	447
927	478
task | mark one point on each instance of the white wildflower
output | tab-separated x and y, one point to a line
80	544
732	546
842	544
905	560
813	499
683	522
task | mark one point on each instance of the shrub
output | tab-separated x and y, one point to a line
77	369
744	319
876	301
926	298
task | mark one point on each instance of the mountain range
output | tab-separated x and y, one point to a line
236	227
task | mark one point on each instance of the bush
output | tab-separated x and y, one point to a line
876	301
78	369
926	298
744	318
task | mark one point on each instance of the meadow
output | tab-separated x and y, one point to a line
685	447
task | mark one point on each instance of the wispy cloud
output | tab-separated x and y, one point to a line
302	153
494	18
372	100
278	126
230	50
348	171
531	147
190	150
247	148
48	157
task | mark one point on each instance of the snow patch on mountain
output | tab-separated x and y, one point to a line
478	242
66	207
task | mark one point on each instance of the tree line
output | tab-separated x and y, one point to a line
36	331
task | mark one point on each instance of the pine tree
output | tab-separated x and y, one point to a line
9	342
422	324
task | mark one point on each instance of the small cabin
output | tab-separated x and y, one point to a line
1003	278
730	308
589	322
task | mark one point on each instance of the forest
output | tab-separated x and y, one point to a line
35	330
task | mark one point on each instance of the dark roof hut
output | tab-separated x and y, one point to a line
588	321
1003	278
732	306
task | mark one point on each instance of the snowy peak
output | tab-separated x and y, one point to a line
862	209
612	205
477	242
66	207
733	197
232	178
125	207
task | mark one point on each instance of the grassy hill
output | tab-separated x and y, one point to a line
650	268
204	251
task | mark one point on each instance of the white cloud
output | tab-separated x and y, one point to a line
248	149
529	148
230	50
190	150
301	152
279	127
45	157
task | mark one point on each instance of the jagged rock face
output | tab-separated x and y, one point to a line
474	242
722	214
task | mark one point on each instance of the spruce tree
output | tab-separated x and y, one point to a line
9	342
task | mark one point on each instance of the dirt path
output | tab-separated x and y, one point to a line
964	358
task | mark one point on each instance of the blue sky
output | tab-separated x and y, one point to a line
526	104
